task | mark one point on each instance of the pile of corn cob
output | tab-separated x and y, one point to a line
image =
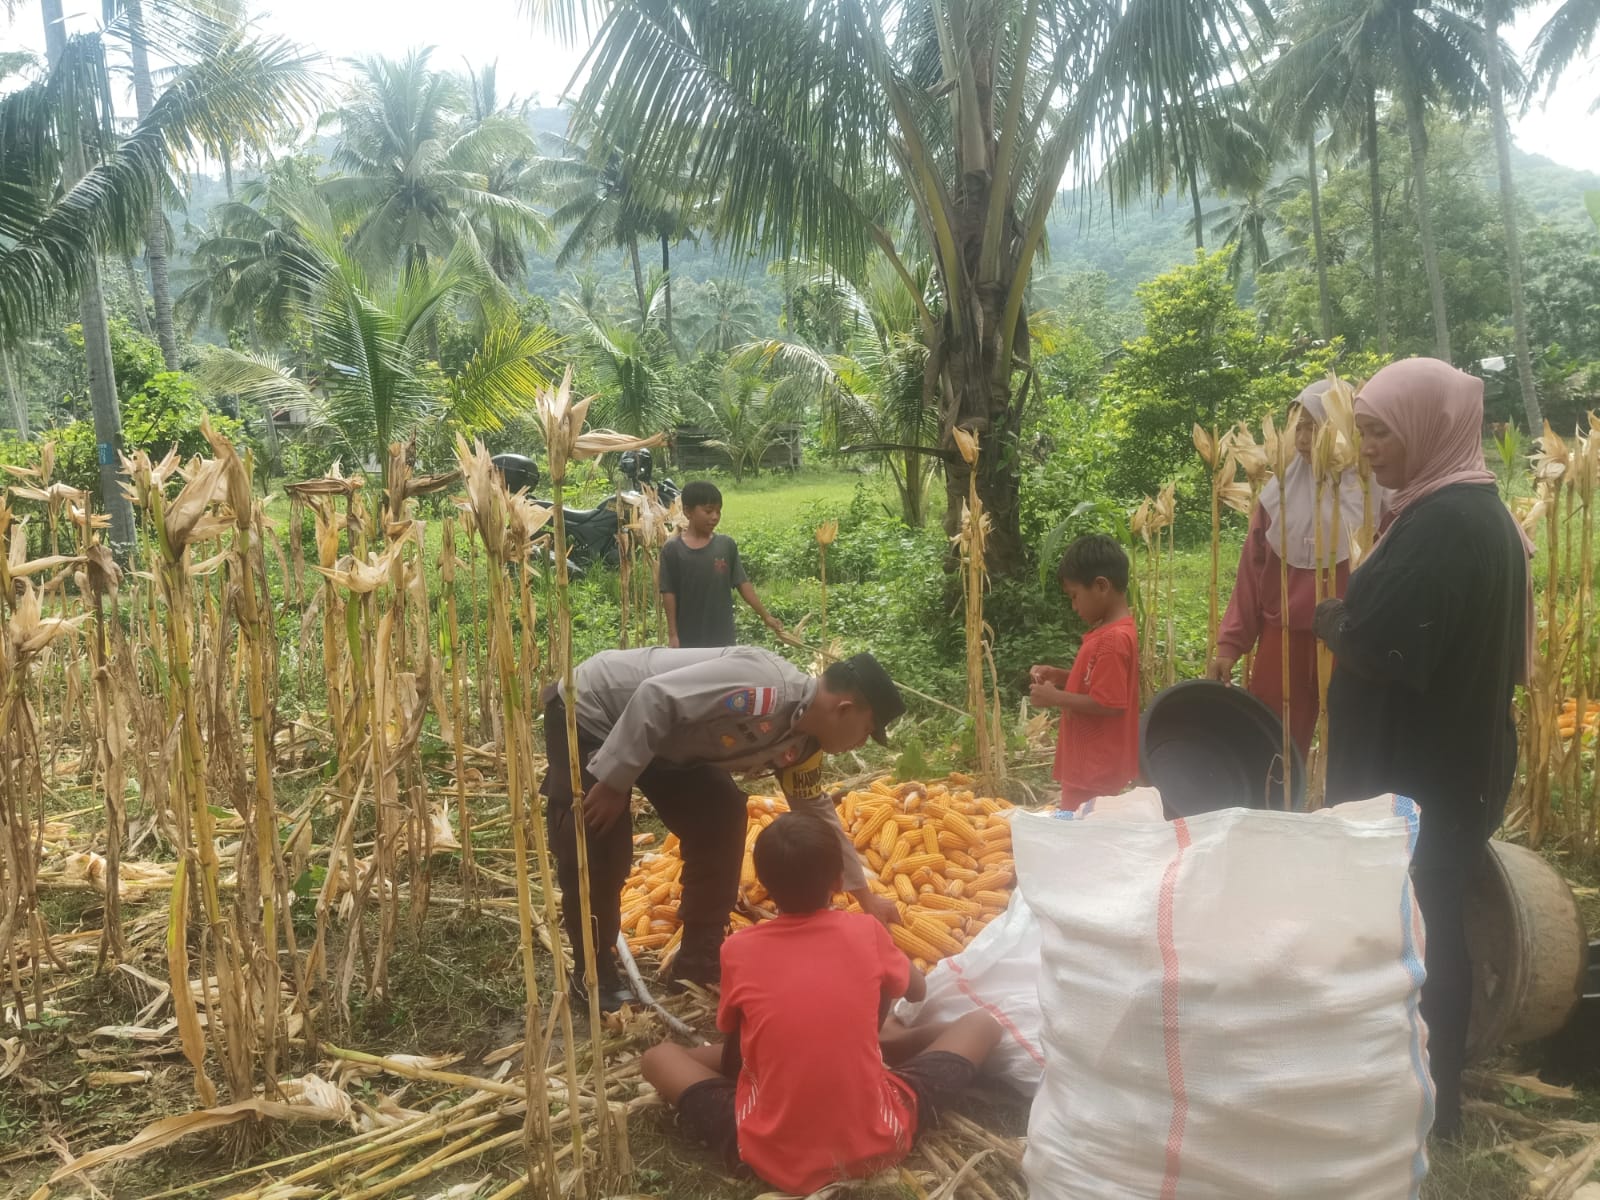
1567	722
940	853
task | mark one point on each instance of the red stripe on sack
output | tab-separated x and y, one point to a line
1004	1021
1169	1013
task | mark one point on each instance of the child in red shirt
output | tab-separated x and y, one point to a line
799	1092
1097	750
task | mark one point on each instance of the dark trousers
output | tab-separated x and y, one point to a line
703	805
1440	881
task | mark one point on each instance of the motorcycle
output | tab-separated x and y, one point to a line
591	532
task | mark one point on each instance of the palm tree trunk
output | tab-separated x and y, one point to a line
1418	133
141	318
1508	221
1375	189
1324	301
227	167
155	236
96	337
638	280
19	406
1194	200
666	291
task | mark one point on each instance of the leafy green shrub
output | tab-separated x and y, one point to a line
165	412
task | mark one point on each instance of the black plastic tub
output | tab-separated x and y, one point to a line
1572	1056
1207	746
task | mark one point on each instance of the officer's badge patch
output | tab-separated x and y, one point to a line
751	702
729	741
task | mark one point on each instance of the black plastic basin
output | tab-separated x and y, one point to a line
1207	746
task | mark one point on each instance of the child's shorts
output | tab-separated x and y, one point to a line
706	1109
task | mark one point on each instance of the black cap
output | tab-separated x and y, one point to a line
879	691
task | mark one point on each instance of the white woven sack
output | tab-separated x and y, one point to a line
998	972
1229	1004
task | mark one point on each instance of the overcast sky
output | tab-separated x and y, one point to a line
532	65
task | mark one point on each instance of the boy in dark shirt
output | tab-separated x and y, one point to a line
799	1092
699	570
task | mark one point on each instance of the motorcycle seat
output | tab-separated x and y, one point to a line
578	516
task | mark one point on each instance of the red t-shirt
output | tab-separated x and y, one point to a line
1099	756
815	1103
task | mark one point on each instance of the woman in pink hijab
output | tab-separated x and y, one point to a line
1431	638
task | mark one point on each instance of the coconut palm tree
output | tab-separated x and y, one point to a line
726	315
416	172
1248	223
1502	79
871	392
1563	40
372	381
70	191
1215	135
245	268
629	364
820	125
601	198
745	415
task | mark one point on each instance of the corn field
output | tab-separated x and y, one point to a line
236	654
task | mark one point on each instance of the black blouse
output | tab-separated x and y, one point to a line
1429	648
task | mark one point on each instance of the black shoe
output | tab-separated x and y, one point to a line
613	994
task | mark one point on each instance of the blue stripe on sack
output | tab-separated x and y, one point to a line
1084	809
1412	962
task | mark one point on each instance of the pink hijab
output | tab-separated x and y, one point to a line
1436	412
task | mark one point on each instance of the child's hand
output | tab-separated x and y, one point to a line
1039	674
1044	695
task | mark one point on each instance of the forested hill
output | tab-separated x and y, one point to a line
1085	234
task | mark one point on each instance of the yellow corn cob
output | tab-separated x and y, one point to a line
999	831
649	941
916	862
962	859
641	927
930	839
991	899
935	900
914	945
950	842
954	888
992	858
960	873
870	826
958	824
993	879
887	837
875	860
904	889
936	935
951	920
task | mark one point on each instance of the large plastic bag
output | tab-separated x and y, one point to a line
1229	1004
999	973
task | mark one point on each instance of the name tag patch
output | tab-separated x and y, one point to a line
751	702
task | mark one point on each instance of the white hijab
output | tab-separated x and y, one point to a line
1300	501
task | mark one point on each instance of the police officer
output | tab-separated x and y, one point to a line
677	724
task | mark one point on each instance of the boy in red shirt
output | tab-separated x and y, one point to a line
799	1091
1097	751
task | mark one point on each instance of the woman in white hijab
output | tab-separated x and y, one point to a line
1256	612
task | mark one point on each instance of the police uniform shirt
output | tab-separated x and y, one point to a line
733	707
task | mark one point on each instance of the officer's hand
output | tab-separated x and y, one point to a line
881	907
602	806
